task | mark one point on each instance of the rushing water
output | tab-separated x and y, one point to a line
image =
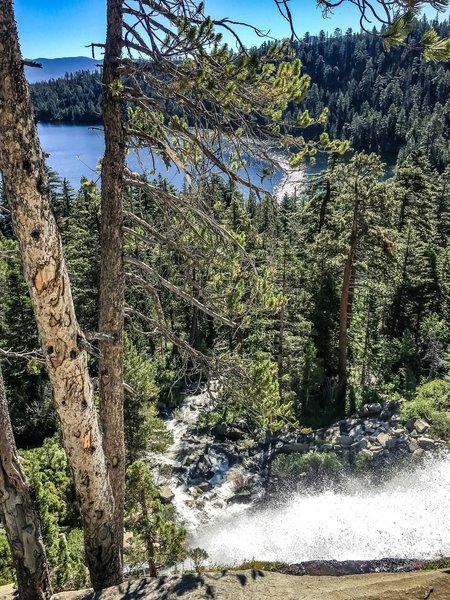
406	516
404	513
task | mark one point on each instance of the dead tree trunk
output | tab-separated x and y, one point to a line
27	191
112	271
20	517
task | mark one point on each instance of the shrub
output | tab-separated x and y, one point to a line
317	464
47	471
6	566
318	468
157	540
144	430
70	572
431	402
198	557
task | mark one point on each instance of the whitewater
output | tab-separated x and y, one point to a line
404	516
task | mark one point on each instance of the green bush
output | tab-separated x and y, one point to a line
6	566
431	402
47	471
70	572
157	540
318	467
144	430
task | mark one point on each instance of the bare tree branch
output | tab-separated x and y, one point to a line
25	354
176	290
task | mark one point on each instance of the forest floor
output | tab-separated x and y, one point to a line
261	585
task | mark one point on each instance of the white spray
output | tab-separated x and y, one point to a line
407	516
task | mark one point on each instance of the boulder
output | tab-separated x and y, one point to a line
357	430
426	443
369	410
363	443
234	434
376	449
243	498
410	424
391	444
190	459
383	439
331	433
166	494
220	429
346	424
343	426
344	440
385	415
203	487
399	431
413	445
421	426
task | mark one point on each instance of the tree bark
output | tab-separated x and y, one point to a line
20	517
112	277
27	191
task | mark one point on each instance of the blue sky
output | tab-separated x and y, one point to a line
55	28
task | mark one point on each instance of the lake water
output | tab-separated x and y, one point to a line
74	152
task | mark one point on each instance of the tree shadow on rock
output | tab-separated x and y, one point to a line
166	588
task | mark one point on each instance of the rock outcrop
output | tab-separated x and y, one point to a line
261	585
376	432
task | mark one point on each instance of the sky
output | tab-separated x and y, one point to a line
60	28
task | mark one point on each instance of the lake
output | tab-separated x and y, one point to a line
74	152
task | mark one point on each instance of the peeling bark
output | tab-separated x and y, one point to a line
20	517
27	191
112	276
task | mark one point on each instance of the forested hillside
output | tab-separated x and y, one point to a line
397	309
72	99
384	102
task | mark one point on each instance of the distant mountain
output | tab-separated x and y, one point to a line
52	68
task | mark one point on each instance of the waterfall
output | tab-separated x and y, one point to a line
404	516
402	512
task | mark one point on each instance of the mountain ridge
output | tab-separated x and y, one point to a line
54	68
